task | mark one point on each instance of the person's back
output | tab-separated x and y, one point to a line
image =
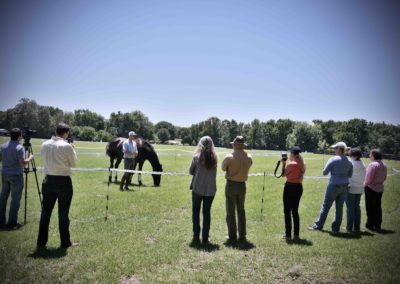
204	179
340	168
11	153
237	165
58	157
376	175
12	156
357	180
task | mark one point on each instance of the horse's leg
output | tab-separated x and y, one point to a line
116	167
111	167
140	175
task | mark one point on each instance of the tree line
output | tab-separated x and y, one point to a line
272	134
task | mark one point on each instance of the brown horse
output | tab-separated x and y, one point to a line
145	152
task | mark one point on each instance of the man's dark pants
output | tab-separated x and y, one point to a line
129	164
235	193
56	188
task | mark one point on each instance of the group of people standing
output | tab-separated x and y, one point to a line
204	186
348	180
58	157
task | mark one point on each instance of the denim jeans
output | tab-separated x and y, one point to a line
235	193
353	212
56	188
334	193
13	184
196	205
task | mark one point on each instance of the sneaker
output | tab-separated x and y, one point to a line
369	227
286	238
121	189
15	226
314	228
296	238
196	240
71	244
230	240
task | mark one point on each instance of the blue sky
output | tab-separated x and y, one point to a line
185	61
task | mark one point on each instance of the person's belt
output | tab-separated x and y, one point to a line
57	178
240	182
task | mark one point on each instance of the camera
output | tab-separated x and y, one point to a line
27	133
284	156
70	140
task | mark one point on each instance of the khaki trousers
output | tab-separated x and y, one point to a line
235	193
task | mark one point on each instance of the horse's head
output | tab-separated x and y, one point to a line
157	178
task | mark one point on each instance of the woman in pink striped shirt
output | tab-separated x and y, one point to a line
374	179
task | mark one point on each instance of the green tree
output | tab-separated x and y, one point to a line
304	135
85	117
166	125
103	135
87	133
163	135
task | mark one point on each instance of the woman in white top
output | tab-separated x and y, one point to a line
355	191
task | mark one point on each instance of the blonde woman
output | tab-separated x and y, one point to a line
204	186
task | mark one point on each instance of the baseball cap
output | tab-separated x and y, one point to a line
339	145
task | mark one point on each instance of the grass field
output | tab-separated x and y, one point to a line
146	238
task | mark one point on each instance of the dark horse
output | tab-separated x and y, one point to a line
145	152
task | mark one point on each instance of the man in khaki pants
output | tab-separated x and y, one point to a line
236	165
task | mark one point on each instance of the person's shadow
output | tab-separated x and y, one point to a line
48	253
300	242
208	247
240	244
384	231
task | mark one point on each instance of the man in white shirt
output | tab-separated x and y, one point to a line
58	157
130	151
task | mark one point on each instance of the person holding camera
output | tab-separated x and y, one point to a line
341	170
237	167
58	158
293	190
129	148
12	156
374	178
204	186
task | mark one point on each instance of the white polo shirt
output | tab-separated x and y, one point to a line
58	157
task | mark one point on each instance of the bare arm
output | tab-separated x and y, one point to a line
24	162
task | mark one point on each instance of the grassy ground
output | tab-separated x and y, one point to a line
147	235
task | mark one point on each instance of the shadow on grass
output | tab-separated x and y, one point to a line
209	247
345	235
300	242
48	253
385	232
240	244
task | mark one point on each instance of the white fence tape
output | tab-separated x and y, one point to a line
396	172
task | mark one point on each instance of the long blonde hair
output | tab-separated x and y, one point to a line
205	152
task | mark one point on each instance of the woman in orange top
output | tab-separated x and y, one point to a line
294	172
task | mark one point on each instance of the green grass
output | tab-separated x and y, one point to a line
148	232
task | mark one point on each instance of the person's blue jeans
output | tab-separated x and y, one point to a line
13	184
353	212
196	205
334	193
